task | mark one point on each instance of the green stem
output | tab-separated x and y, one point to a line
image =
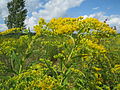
70	55
108	61
26	53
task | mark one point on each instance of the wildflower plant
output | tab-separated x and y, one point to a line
64	54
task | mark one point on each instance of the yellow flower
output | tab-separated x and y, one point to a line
37	29
76	71
97	69
63	51
70	41
10	31
117	65
116	69
47	83
69	25
96	46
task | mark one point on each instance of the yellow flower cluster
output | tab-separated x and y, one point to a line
64	25
42	21
98	77
70	41
37	29
116	69
76	71
69	25
96	46
10	31
48	83
97	69
37	79
38	66
66	29
7	47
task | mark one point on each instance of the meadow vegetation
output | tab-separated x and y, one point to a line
63	54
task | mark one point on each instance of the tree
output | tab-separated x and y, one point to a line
17	14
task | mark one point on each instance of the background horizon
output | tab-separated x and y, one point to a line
48	9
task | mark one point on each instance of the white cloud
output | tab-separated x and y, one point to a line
3	13
53	8
112	20
56	8
3	8
30	22
50	9
95	8
32	5
99	15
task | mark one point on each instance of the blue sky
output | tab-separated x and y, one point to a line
48	9
88	7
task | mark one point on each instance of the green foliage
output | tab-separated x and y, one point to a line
60	61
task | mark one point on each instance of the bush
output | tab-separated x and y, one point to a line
64	54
